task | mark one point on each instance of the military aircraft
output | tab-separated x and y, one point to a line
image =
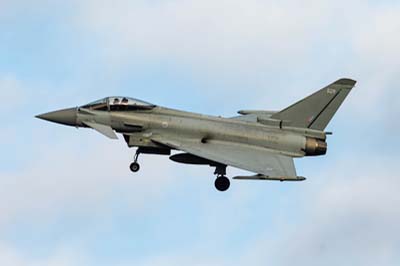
262	142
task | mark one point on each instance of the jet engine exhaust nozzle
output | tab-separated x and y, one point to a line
315	147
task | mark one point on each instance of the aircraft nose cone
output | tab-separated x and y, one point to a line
65	116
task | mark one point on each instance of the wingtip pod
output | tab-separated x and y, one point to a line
346	82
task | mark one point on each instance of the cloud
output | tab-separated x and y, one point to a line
258	54
204	34
176	259
63	256
12	91
65	179
375	47
257	50
348	218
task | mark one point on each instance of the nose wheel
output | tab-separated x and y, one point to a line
222	183
135	166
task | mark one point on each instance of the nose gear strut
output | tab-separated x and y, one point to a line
135	166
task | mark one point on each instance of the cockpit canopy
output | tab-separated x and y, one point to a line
119	104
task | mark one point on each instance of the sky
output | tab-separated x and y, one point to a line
67	196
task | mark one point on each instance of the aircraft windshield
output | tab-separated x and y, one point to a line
119	104
100	105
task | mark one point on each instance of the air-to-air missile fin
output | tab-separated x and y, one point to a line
316	110
264	177
102	129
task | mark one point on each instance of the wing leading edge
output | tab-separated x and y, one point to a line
255	159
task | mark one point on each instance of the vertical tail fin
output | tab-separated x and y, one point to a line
316	110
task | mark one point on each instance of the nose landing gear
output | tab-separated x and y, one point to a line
222	183
135	166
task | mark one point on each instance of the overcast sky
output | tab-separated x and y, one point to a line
67	196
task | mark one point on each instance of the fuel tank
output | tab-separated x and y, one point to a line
188	158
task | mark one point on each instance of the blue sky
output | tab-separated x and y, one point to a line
67	196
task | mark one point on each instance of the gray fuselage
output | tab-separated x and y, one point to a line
143	124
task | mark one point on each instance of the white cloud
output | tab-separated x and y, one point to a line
353	214
11	93
62	179
352	211
62	256
176	259
205	34
375	45
348	219
257	49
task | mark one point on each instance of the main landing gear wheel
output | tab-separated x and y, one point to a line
135	167
222	183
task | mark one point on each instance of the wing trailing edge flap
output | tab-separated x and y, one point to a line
255	159
102	129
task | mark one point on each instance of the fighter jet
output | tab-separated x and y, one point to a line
262	142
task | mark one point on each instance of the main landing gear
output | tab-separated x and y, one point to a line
222	183
135	166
